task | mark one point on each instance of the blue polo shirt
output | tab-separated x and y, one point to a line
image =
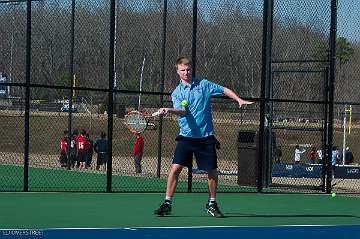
197	123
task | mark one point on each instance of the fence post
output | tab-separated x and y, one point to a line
193	60
111	94
332	43
27	97
162	75
72	80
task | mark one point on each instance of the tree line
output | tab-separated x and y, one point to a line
228	50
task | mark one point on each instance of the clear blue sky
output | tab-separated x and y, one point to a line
349	19
315	12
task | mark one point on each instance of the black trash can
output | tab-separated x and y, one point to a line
120	110
248	148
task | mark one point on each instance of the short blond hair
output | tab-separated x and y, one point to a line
182	61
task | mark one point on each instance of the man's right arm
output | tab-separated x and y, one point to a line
164	111
177	108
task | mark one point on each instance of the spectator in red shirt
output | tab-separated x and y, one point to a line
312	155
81	143
63	149
138	152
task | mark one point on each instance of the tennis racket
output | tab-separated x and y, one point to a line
137	122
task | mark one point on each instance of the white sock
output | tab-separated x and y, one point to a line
212	201
168	200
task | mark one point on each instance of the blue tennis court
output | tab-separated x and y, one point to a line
95	216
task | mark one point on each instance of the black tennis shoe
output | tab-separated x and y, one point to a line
164	209
214	210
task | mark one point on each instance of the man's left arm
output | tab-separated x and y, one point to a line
235	97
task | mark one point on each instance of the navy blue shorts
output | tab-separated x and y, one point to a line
204	150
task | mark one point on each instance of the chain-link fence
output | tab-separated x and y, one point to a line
63	67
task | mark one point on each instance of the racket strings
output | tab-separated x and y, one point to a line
136	122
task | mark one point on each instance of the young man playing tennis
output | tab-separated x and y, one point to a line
191	102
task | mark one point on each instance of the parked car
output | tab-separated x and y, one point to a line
65	108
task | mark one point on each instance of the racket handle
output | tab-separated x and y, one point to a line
155	113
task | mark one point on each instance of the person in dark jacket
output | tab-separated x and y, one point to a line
349	157
101	148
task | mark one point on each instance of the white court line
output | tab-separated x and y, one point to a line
186	227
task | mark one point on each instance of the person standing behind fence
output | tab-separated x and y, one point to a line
89	150
138	152
320	156
298	153
81	149
101	148
73	150
349	157
278	154
312	155
334	160
64	149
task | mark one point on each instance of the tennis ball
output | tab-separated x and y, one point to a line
333	195
184	103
